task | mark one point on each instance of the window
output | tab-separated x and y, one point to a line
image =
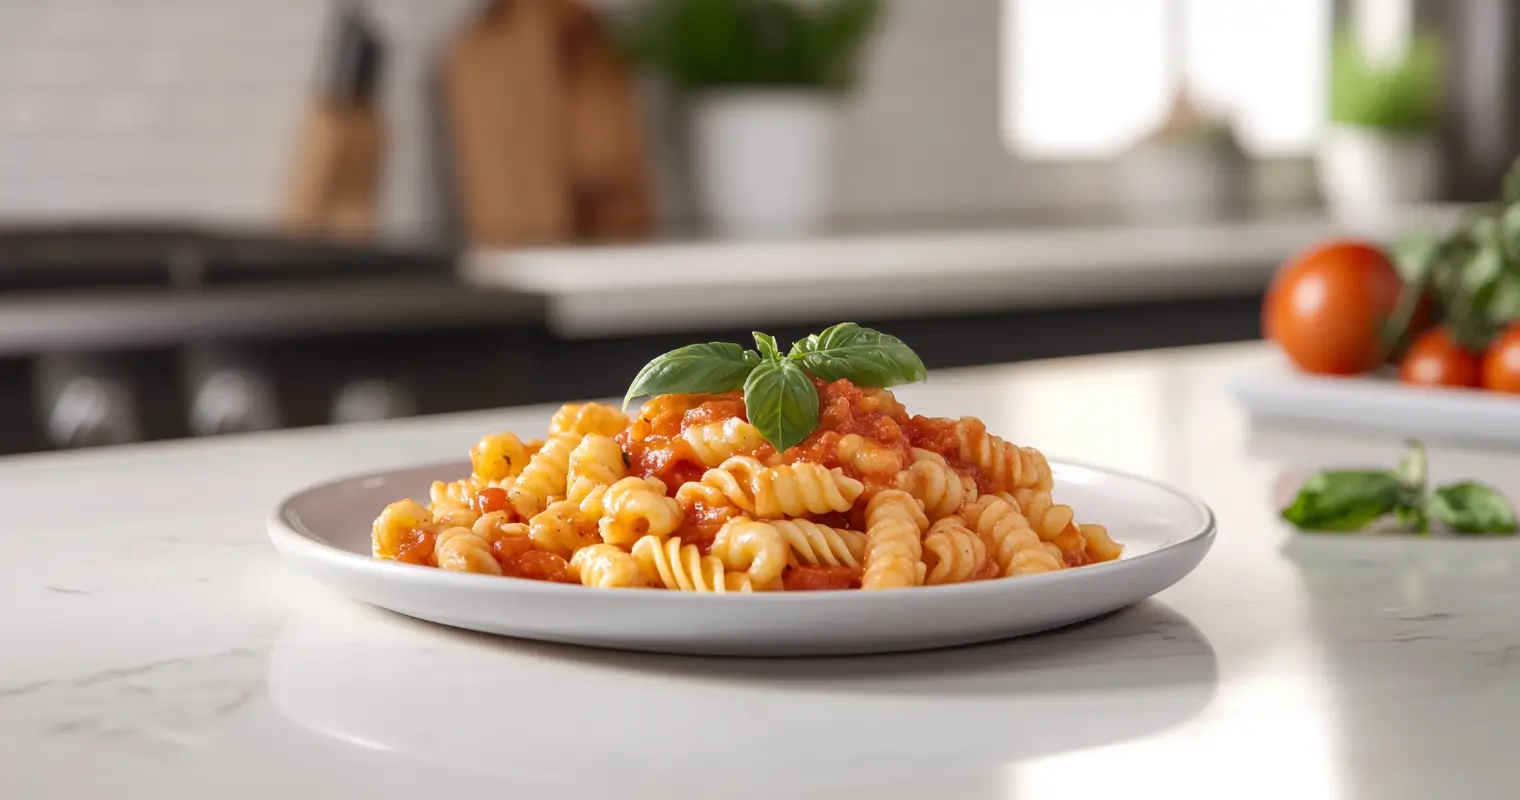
1088	78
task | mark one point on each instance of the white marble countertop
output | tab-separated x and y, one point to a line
153	645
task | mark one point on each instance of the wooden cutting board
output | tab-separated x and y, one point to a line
503	85
605	142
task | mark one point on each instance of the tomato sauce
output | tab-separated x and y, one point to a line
489	499
807	578
417	546
538	565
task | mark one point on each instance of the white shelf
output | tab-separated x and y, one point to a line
661	287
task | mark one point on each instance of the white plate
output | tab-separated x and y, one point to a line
325	530
1382	405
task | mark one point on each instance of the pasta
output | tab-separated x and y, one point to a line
717	442
607	567
754	548
684	568
546	476
690	496
895	523
941	489
790	490
1007	466
953	553
596	461
634	508
581	419
1015	547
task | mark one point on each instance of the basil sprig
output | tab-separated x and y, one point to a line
779	397
1349	500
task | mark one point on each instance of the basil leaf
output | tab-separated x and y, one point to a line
1345	500
694	369
767	346
864	356
781	403
1470	507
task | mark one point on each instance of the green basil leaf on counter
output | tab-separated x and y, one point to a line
781	403
1471	507
767	346
863	356
1414	469
695	368
1345	500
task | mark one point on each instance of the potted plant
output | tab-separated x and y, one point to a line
1380	149
764	82
1190	169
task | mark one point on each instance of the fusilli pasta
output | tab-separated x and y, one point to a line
811	543
1015	547
953	553
544	480
716	442
561	529
606	567
460	550
634	508
1008	466
596	461
684	568
789	490
498	456
894	552
941	489
754	548
388	536
580	419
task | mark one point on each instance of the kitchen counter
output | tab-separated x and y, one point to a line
155	645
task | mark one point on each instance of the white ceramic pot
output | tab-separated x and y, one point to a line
1365	172
1181	180
764	161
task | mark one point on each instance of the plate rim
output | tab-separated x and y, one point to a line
287	538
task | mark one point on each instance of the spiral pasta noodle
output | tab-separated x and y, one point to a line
498	456
754	548
867	457
596	461
580	419
894	552
498	525
1100	546
544	479
388	534
561	529
953	553
683	567
1007	465
941	489
716	442
460	550
607	567
811	543
1048	518
789	490
634	508
1015	546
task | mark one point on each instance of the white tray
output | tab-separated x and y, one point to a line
1381	405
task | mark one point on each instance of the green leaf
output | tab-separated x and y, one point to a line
1511	190
1415	468
781	403
864	356
693	369
767	346
1345	500
1471	507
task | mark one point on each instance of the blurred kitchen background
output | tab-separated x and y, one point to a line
230	215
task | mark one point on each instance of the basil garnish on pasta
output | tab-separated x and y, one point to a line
781	403
696	368
779	397
864	356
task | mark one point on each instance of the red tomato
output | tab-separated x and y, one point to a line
1435	359
1501	364
1325	306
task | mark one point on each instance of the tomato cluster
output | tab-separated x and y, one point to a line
1327	307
